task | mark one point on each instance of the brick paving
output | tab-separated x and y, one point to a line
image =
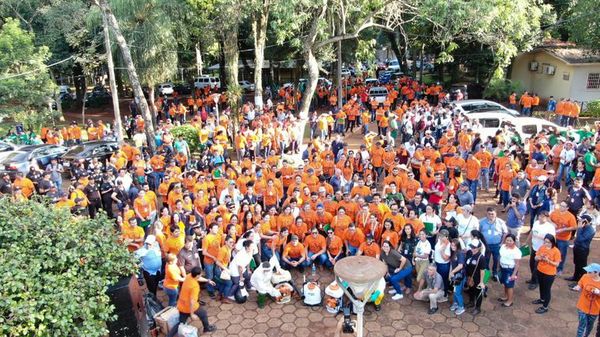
408	317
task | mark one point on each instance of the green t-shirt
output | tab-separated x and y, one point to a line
590	161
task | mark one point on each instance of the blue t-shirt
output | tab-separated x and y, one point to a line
512	221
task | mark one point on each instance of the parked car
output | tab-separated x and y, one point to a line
207	81
427	67
165	89
182	88
371	81
393	66
6	148
379	93
101	150
246	85
97	98
23	158
346	72
481	105
524	126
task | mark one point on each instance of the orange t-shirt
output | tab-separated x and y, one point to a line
354	239
172	275
588	301
315	245
553	254
334	246
190	291
294	252
371	250
563	220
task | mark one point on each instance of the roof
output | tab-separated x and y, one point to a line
574	55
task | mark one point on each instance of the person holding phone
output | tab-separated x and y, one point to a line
548	259
588	305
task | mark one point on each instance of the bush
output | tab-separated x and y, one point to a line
55	271
190	134
591	109
499	89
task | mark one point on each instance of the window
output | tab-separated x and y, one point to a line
530	129
593	81
489	122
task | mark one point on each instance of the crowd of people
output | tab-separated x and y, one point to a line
407	196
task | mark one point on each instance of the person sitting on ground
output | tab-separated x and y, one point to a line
434	290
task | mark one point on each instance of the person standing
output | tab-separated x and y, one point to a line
515	216
577	195
188	304
151	262
173	277
510	255
56	171
494	230
457	276
548	259
588	305
581	247
536	198
538	232
475	262
566	224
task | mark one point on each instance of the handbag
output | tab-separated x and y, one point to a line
225	276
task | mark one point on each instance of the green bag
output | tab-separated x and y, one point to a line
525	250
487	274
252	264
429	226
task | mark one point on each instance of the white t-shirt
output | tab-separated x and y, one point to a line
435	220
422	248
508	256
539	231
465	226
241	259
437	255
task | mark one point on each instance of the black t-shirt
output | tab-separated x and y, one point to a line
44	186
106	190
475	263
5	187
92	192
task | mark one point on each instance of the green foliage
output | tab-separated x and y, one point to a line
55	271
583	24
190	134
25	85
591	109
499	89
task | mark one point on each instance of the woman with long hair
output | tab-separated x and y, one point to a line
457	276
408	241
510	255
390	235
548	258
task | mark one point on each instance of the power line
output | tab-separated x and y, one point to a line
37	70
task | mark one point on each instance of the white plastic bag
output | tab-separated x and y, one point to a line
186	330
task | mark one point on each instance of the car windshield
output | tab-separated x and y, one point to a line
75	150
16	157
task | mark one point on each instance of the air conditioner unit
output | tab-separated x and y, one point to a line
533	66
548	69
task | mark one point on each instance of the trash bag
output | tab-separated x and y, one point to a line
239	297
153	307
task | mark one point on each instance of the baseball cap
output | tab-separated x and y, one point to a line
475	243
592	268
586	217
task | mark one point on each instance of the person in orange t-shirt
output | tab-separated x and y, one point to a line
334	249
188	303
173	277
473	171
588	305
369	248
353	238
548	259
566	224
316	248
294	254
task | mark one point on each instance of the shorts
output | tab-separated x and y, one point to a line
421	267
505	274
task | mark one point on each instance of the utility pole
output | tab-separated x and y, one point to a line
339	73
112	81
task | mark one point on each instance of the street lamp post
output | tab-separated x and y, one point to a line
216	98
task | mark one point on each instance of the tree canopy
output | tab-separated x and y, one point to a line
56	269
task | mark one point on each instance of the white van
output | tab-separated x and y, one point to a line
379	93
207	81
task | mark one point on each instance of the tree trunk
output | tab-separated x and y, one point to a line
313	77
120	84
231	53
259	30
113	84
391	36
222	62
198	60
152	98
133	76
79	81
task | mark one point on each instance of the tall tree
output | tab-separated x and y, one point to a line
260	21
583	24
25	83
131	70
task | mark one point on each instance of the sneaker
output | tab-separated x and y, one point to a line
432	311
210	328
496	279
476	311
453	307
231	298
532	286
538	301
541	310
443	299
459	311
392	292
397	297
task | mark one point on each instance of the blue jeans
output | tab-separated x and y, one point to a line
404	275
328	263
492	250
351	250
209	270
320	259
564	170
473	187
288	266
223	286
485	178
266	253
505	197
533	212
235	284
458	294
563	247
526	112
586	323
172	295
444	270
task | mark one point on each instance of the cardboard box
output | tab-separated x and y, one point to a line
166	319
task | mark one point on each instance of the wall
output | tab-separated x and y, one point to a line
579	92
540	83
